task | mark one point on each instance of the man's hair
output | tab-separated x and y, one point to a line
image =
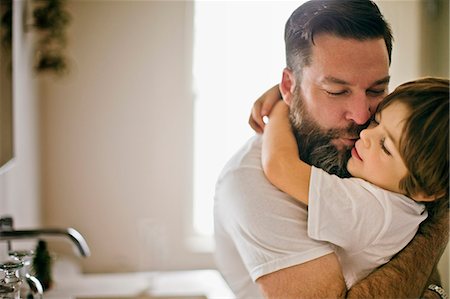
424	143
356	19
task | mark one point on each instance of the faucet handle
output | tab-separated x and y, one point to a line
24	256
11	265
20	254
5	290
11	279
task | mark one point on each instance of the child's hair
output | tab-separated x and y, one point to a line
424	145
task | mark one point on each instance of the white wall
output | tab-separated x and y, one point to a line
117	135
420	30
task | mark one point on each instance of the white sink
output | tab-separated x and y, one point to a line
194	284
147	297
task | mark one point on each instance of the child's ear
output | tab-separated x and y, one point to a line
426	198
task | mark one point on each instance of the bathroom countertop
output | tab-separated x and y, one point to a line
192	284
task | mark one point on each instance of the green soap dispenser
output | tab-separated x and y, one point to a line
42	265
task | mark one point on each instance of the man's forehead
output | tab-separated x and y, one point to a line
346	61
331	47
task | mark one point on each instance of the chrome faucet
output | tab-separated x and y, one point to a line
8	233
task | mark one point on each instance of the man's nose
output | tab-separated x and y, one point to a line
359	109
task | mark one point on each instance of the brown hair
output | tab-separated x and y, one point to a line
424	145
356	19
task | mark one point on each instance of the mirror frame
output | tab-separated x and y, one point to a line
6	85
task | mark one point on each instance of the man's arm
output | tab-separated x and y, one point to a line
435	278
405	276
408	274
319	278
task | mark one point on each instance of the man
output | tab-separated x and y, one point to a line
338	56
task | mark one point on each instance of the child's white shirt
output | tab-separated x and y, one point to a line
367	224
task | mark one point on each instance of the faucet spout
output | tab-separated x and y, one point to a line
7	233
71	233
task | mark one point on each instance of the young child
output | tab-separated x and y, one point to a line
399	164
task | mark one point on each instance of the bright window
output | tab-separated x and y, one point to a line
238	54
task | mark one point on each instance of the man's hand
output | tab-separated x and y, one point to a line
262	107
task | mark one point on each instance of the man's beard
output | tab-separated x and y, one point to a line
314	143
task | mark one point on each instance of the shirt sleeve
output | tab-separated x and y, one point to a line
268	227
349	213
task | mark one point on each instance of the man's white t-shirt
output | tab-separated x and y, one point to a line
258	228
367	224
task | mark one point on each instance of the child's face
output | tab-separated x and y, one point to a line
375	157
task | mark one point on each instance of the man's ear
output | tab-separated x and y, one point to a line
287	86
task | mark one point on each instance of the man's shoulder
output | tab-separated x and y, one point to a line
242	181
248	156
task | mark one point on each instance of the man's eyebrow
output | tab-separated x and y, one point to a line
331	79
385	80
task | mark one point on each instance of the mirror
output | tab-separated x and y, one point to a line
6	94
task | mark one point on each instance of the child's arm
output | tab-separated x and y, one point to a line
280	159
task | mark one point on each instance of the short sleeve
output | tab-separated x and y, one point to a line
349	213
268	227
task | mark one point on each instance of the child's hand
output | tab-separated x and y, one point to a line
280	111
262	107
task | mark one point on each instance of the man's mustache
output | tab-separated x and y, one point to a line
351	132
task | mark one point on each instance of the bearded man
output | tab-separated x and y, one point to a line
338	56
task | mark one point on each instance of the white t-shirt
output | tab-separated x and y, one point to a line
367	224
258	228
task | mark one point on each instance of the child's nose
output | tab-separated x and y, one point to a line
364	135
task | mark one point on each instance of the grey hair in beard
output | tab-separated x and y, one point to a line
314	143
